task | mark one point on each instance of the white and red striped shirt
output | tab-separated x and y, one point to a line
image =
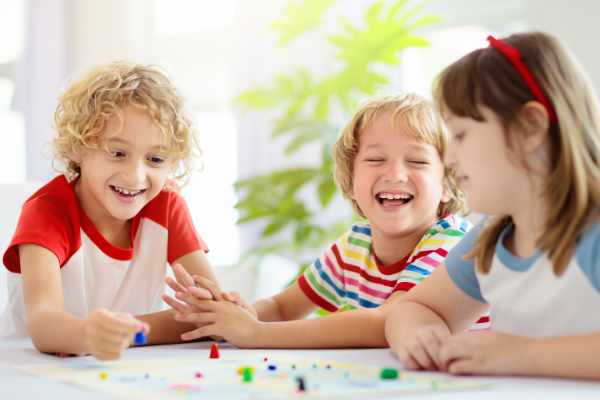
95	273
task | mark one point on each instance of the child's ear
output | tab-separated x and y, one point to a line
76	156
535	123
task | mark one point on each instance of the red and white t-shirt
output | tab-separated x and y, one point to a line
95	273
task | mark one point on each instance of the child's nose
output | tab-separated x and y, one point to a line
136	172
396	172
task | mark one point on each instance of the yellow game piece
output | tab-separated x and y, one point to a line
103	376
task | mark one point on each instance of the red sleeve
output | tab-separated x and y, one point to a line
48	224
183	238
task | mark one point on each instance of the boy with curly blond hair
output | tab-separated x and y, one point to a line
89	255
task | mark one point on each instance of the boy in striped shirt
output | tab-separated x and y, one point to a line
388	163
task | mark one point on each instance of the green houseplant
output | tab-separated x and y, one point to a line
307	109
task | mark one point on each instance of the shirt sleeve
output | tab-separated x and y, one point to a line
183	238
44	223
432	251
323	280
462	272
588	255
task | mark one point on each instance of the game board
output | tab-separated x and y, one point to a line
203	378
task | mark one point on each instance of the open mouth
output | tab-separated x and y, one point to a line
387	198
126	192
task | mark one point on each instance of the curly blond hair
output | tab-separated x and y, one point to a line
424	124
86	106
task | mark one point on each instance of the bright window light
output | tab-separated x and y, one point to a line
12	22
209	194
420	66
177	17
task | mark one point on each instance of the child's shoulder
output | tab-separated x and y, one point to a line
57	194
588	251
451	224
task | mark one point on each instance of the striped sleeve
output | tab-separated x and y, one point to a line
323	281
432	250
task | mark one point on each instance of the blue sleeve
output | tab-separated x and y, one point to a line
462	272
588	255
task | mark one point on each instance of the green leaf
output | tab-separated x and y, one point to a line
326	190
299	17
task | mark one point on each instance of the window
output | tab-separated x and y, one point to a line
12	27
193	43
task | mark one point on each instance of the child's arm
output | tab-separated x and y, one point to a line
492	353
164	328
356	328
420	323
103	334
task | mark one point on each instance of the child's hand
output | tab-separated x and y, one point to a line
422	351
235	297
484	353
202	289
219	318
107	334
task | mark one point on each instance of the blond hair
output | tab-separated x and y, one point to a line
86	106
485	77
424	124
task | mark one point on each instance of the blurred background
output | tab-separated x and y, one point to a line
269	83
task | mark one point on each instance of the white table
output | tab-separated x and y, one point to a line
17	385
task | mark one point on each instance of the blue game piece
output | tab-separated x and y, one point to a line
140	338
272	367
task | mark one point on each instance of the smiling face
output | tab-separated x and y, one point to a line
397	180
118	179
478	152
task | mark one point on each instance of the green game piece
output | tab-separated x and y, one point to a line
388	373
247	375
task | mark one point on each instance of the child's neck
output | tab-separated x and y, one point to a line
391	249
529	225
115	231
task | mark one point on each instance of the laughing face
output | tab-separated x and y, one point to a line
117	181
398	179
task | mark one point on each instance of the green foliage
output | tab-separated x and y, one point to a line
305	106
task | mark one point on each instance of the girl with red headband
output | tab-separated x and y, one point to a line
525	127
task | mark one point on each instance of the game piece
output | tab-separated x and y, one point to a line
103	376
140	338
388	373
248	375
301	384
272	367
198	375
214	351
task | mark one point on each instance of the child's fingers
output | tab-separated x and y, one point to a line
205	331
173	284
431	344
182	276
453	349
197	318
209	285
201	293
202	305
175	305
420	355
406	360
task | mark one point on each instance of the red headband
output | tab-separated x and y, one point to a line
514	56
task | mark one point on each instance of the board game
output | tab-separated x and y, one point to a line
244	376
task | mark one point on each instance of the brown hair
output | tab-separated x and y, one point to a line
424	123
486	78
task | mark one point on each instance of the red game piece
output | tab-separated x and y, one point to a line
214	351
